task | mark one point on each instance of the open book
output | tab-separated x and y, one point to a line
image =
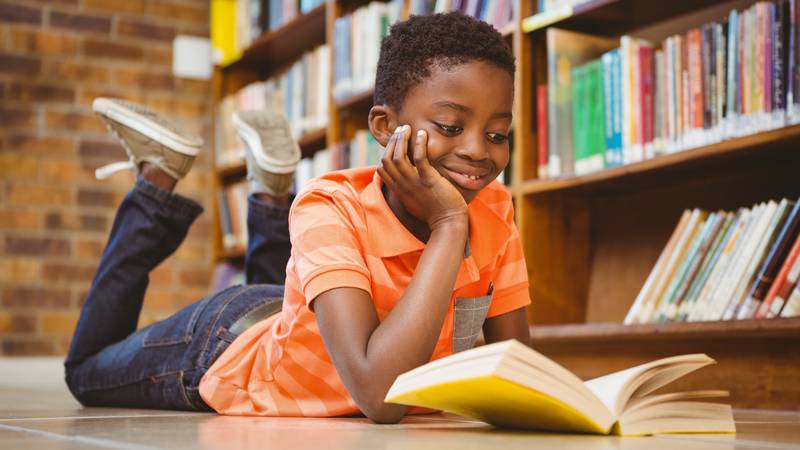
511	385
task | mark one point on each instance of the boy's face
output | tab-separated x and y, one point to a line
466	111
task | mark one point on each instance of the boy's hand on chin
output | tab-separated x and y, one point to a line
424	193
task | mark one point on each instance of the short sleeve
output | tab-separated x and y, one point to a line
511	275
324	228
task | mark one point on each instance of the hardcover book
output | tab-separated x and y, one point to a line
508	384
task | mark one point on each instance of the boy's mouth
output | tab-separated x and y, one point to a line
467	181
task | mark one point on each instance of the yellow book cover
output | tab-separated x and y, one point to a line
223	32
508	384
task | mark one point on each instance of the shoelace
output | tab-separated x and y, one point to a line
101	173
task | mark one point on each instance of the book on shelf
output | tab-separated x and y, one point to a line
508	384
301	93
725	79
565	51
233	207
724	265
357	43
227	274
497	13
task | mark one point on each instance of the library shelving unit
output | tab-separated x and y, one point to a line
590	241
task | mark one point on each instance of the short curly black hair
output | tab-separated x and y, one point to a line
414	46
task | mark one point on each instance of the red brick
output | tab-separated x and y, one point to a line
28	345
73	122
195	278
87	197
15	165
188	86
40	93
41	146
161	275
58	2
19	65
89	249
179	12
59	220
36	246
80	22
19	194
17	322
158	55
17	118
16	13
35	297
20	219
43	42
88	94
68	272
131	6
148	80
100	149
57	171
144	30
58	323
20	270
82	71
103	48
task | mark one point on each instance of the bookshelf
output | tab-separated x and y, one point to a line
590	241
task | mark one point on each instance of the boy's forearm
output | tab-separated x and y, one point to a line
407	337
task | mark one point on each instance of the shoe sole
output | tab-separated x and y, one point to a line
131	119
251	135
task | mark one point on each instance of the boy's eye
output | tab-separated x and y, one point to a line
449	129
496	138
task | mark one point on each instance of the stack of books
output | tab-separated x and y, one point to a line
235	24
232	209
497	13
726	265
301	93
725	79
282	11
357	44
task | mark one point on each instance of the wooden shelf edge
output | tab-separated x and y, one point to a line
729	146
282	38
309	143
360	99
596	332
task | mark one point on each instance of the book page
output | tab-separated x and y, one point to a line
615	389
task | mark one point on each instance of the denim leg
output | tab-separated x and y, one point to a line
160	366
150	224
268	245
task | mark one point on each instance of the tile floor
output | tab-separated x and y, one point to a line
37	412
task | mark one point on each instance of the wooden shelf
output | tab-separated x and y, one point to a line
232	254
610	332
309	143
782	140
612	17
279	48
359	101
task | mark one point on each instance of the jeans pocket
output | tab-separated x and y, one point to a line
177	329
468	317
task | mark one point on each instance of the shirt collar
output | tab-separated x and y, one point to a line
389	237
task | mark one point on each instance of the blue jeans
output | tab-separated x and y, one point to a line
109	362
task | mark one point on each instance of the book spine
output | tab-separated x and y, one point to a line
771	265
608	105
730	110
782	286
792	307
647	90
784	295
707	82
541	127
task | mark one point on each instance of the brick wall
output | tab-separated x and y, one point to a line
55	57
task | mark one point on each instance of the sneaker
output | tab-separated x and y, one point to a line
271	152
146	137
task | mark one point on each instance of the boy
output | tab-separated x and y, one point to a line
390	267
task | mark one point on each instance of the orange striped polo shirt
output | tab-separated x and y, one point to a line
344	235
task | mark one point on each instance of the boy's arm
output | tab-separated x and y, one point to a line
369	354
511	325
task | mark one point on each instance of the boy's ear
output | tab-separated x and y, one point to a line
382	122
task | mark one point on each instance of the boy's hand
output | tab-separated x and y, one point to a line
420	188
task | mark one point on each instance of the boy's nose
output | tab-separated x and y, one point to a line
474	147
